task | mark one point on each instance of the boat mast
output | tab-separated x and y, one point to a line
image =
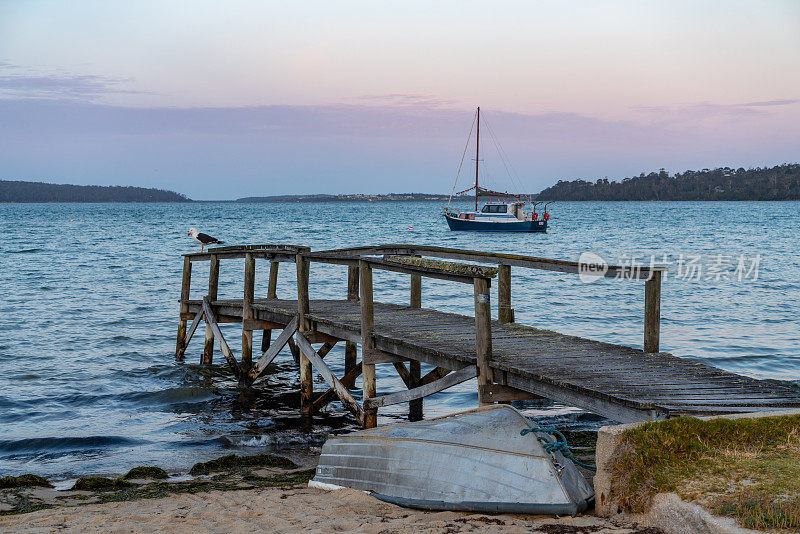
477	145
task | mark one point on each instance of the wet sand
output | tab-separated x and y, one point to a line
290	509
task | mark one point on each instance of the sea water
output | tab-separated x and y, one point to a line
88	315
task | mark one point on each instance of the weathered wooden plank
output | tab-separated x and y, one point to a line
422	271
260	324
404	374
186	285
437	266
368	385
616	409
350	348
325	348
213	285
619	382
272	352
415	379
272	293
347	381
501	393
272	285
341	391
434	375
294	350
515	260
378	356
247	312
223	345
652	312
189	335
483	336
452	379
414	366
306	376
505	313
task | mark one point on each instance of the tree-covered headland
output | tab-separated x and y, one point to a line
18	191
781	182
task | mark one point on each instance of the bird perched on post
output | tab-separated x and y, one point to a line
203	239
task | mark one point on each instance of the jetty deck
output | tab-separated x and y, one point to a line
511	361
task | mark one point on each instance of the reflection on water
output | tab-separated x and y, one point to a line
87	377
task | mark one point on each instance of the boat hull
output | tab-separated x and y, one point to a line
466	225
472	461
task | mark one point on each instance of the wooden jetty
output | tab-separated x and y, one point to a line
511	361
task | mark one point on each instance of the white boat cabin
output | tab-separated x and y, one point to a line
499	212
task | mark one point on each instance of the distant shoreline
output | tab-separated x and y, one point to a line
778	183
18	191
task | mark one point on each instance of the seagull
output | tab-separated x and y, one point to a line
203	239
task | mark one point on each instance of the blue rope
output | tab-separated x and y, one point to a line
559	443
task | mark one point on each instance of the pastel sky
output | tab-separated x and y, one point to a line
221	100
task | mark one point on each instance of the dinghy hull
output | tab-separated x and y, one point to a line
473	461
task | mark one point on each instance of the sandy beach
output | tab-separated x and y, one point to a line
289	509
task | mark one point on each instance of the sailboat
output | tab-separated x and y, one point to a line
504	212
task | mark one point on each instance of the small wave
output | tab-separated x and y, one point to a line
66	444
170	396
6	403
279	441
25	251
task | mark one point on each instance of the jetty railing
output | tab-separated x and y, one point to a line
411	260
275	254
505	314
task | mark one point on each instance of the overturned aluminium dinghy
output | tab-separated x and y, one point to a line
472	461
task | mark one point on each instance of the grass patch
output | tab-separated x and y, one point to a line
100	484
23	481
232	462
756	510
746	468
147	471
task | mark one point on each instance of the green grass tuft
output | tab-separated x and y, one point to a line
755	510
714	461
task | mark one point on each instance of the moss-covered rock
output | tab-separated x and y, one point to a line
233	462
146	471
101	484
281	479
23	481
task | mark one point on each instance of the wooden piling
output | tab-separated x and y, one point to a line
414	366
272	293
367	341
186	285
416	291
652	312
483	334
505	313
272	288
247	312
306	374
213	285
350	348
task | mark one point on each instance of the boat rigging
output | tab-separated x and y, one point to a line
504	212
